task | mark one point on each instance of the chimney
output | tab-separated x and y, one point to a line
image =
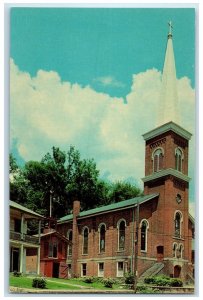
76	208
75	246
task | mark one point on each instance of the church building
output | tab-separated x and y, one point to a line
150	234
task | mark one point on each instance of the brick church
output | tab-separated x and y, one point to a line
146	235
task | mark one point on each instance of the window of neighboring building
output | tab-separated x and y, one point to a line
120	269
84	270
70	238
17	225
53	249
121	234
101	269
85	240
144	228
46	249
102	237
157	157
178	159
178	220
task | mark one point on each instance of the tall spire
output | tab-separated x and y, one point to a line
168	106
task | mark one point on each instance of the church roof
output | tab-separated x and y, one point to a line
165	128
111	207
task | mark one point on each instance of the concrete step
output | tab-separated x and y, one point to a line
152	271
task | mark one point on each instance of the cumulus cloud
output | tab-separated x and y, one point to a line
47	111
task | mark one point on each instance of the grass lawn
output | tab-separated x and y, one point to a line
26	282
60	284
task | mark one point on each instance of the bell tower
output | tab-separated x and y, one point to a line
166	173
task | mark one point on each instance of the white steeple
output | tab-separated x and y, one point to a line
168	103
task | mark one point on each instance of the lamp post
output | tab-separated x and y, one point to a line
136	245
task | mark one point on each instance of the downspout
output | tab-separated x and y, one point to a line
133	240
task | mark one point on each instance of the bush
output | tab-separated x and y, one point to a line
146	290
149	280
17	274
108	282
39	283
129	278
163	281
176	282
89	279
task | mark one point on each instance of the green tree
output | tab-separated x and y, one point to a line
121	191
61	177
13	167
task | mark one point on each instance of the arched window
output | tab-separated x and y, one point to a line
178	220
102	237
175	249
157	157
181	250
144	228
70	238
178	159
85	240
121	234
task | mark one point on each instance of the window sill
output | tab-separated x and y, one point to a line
178	238
120	251
143	251
84	254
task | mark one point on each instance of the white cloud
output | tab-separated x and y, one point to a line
46	111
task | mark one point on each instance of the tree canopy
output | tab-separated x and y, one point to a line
61	177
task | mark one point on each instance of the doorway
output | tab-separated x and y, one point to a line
55	272
177	271
14	260
160	253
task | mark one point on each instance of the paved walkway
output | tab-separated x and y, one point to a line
16	290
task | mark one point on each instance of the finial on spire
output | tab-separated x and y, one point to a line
170	29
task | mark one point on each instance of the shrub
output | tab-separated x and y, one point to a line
158	280
108	282
129	278
149	280
39	283
146	290
89	279
176	282
17	274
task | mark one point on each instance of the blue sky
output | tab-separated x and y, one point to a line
91	78
85	44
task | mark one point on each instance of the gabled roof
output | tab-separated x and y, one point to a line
53	232
19	207
111	207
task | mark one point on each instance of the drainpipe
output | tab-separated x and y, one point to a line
133	240
136	246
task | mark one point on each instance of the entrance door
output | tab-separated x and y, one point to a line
14	261
55	272
177	271
160	253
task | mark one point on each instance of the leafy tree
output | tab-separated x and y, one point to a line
121	191
61	177
13	167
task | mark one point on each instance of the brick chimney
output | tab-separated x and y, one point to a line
76	211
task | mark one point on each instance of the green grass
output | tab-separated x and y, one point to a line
59	284
26	282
